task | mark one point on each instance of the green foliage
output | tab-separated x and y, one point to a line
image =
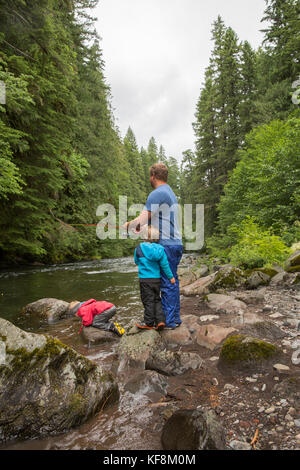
224	114
265	182
60	152
256	247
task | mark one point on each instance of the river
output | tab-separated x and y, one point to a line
131	423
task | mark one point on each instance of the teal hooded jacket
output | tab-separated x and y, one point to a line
151	258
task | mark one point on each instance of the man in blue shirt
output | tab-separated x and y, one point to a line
161	210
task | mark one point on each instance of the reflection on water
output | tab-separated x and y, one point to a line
114	280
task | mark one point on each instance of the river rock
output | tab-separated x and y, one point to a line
191	322
48	308
243	319
257	278
241	353
186	277
180	336
173	363
264	330
193	430
239	445
250	297
201	271
199	287
228	277
136	346
94	336
147	381
293	262
211	336
204	318
281	368
225	303
280	278
289	387
46	387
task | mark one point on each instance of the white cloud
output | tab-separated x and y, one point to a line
156	52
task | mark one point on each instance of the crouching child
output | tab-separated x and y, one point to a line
97	314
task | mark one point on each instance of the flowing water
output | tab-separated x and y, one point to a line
127	425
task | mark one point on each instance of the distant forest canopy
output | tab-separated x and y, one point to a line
62	155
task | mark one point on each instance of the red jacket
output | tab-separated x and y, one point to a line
90	308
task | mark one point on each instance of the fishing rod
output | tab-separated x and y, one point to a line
125	234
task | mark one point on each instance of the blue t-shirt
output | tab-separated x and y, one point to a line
163	205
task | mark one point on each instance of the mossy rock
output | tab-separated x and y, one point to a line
240	352
257	278
293	269
296	281
271	272
293	260
264	330
46	387
227	278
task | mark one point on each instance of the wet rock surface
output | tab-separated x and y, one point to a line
49	309
45	386
193	430
95	336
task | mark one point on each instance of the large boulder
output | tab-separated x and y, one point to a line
95	336
173	363
201	271
49	309
289	387
225	303
147	381
211	336
280	278
146	349
199	287
228	277
250	297
257	278
185	276
293	262
180	336
136	346
264	330
193	430
46	387
243	353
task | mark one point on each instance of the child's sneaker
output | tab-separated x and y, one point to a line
144	325
116	328
160	326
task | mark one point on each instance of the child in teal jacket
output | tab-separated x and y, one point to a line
151	259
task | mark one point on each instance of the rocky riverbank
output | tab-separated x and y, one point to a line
230	371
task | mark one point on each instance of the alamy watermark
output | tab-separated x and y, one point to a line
2	92
174	222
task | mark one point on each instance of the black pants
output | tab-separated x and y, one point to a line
150	296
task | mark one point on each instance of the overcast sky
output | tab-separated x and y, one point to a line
155	54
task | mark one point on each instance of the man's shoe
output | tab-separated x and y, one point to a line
170	327
144	326
160	326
